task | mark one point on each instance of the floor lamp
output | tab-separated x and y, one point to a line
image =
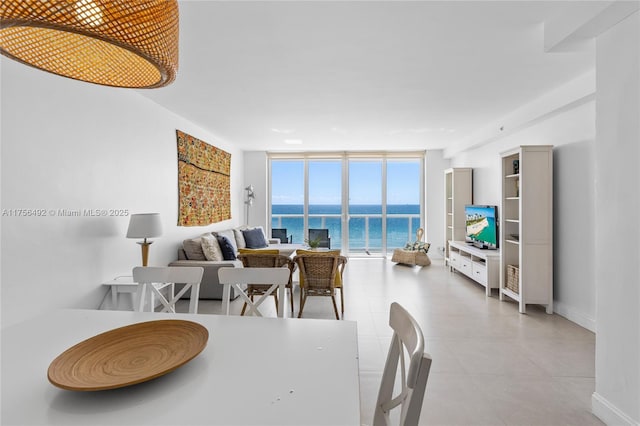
249	201
144	225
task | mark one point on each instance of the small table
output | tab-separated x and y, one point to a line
125	284
120	285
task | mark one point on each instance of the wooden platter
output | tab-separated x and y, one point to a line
128	355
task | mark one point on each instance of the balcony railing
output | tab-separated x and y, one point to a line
365	230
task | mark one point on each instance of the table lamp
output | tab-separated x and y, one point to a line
144	225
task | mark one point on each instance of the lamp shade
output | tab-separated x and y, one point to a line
113	43
144	225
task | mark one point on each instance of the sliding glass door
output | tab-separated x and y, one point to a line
325	198
370	204
365	206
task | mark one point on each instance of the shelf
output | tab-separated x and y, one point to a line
527	220
450	214
449	227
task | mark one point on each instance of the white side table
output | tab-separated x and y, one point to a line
119	285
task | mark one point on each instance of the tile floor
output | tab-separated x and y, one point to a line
491	365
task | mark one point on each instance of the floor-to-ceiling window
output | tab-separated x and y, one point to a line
365	206
325	198
370	203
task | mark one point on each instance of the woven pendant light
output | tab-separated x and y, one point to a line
122	43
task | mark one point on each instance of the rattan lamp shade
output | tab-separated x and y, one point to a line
118	43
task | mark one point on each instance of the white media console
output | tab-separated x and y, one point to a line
480	265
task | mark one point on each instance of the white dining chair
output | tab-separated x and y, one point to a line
154	279
407	336
236	277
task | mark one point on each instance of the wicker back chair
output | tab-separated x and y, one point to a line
267	260
321	275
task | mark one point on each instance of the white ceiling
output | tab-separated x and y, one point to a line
360	75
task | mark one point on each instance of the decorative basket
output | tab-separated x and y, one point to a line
413	253
513	278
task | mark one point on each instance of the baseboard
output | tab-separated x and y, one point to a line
574	316
609	413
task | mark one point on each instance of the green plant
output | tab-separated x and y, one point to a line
315	243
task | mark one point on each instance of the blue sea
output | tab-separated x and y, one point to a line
365	224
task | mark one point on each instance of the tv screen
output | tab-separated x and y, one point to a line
482	226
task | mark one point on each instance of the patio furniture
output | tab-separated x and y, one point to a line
321	235
281	234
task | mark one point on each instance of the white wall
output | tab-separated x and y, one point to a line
256	174
435	165
617	396
572	132
74	145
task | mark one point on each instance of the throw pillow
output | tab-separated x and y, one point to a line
254	238
230	235
418	246
211	248
228	252
237	233
193	249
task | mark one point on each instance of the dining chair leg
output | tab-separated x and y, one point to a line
303	298
335	307
342	300
291	299
275	298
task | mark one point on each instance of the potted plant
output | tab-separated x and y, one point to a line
313	244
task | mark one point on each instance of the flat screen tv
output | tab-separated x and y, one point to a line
482	226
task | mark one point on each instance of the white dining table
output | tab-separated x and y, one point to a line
253	371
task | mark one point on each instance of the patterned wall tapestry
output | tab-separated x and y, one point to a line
204	182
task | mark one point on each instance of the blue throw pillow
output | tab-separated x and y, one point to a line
227	249
254	238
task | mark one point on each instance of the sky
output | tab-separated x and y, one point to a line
365	181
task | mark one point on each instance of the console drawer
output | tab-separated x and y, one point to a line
454	259
479	271
465	266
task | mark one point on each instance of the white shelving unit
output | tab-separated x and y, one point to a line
526	226
458	191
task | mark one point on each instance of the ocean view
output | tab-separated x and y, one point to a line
365	223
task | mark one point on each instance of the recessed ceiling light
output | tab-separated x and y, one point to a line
293	141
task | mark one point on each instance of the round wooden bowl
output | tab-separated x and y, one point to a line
128	355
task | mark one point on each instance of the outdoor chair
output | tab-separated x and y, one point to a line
407	336
322	235
281	233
